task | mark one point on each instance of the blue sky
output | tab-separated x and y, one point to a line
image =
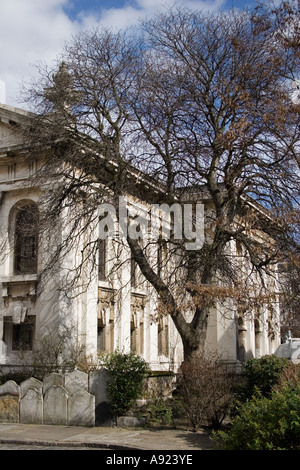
94	5
36	30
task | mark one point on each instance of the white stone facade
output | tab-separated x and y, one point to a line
111	313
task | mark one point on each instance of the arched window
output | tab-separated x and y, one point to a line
26	240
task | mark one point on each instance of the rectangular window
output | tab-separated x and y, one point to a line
105	327
105	337
163	337
19	337
101	336
23	335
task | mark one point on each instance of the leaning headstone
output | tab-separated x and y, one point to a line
98	385
55	405
76	380
81	409
10	388
31	383
9	402
53	379
31	407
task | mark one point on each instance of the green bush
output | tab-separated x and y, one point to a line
265	423
127	372
259	376
160	412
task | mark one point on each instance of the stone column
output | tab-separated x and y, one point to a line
2	344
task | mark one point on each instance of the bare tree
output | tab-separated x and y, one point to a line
191	104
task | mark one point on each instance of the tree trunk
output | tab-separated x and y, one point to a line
193	334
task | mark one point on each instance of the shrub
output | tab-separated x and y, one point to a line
58	353
290	374
127	372
205	391
160	412
259	376
17	377
265	423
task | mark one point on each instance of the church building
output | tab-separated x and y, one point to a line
116	309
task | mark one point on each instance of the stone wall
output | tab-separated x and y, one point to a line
159	385
72	399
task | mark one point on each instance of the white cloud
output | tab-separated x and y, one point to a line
30	30
132	12
36	30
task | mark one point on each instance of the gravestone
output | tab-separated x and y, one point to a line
31	402
98	386
53	379
30	383
55	406
9	409
9	402
81	409
31	407
10	388
76	380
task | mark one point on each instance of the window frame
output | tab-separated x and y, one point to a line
25	253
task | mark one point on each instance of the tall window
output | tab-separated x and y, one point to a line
106	314
137	332
26	240
23	335
163	337
102	259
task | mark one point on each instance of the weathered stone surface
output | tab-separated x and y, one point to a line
31	383
53	379
10	388
76	380
130	421
98	385
55	405
49	402
159	386
9	409
81	409
31	407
